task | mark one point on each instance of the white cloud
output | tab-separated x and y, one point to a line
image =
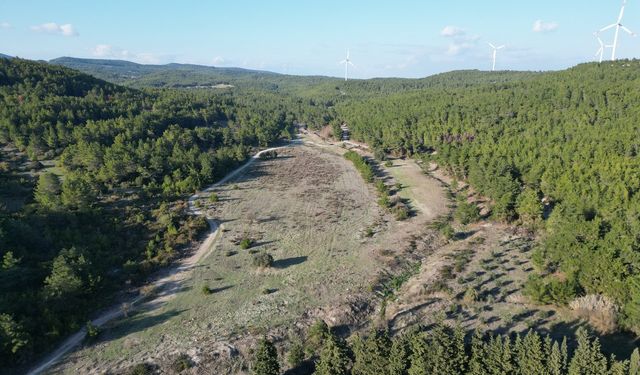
452	31
456	48
53	28
107	51
5	25
544	27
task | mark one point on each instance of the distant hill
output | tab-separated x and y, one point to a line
198	76
3	56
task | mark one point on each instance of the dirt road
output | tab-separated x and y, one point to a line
165	286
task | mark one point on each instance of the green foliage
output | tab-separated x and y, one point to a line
529	208
550	290
181	363
206	290
361	165
466	212
213	198
13	338
316	336
334	357
246	243
48	190
296	354
266	359
92	330
262	259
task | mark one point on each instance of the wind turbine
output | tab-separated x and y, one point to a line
600	51
495	53
618	25
346	63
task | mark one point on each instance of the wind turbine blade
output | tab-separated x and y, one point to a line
608	27
343	62
628	31
350	63
501	47
621	12
599	51
492	46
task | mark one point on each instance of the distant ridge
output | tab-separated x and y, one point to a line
3	56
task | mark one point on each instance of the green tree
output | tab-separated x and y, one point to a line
12	338
634	362
587	358
372	354
48	190
65	278
266	359
529	207
334	357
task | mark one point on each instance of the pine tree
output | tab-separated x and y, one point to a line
634	363
529	358
554	361
587	358
334	357
399	356
266	360
419	354
564	354
476	362
459	354
371	355
617	367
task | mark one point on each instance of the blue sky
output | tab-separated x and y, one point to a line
402	38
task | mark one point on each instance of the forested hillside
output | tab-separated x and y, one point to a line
568	139
112	209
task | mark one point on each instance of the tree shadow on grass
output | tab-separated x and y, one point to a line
136	323
288	262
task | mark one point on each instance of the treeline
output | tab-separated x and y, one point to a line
443	350
112	210
562	144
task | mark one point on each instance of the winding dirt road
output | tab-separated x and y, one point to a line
166	284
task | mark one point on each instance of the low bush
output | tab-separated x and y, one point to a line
600	311
246	243
262	259
181	363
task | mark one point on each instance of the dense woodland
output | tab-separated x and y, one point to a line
113	210
560	146
442	350
555	152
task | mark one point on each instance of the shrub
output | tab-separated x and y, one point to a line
206	290
401	212
230	253
470	296
384	201
388	163
381	187
262	259
467	212
92	331
447	231
141	369
213	198
543	290
296	354
246	243
600	311
181	363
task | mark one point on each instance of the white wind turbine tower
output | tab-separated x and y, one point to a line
618	25
495	53
346	63
600	51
